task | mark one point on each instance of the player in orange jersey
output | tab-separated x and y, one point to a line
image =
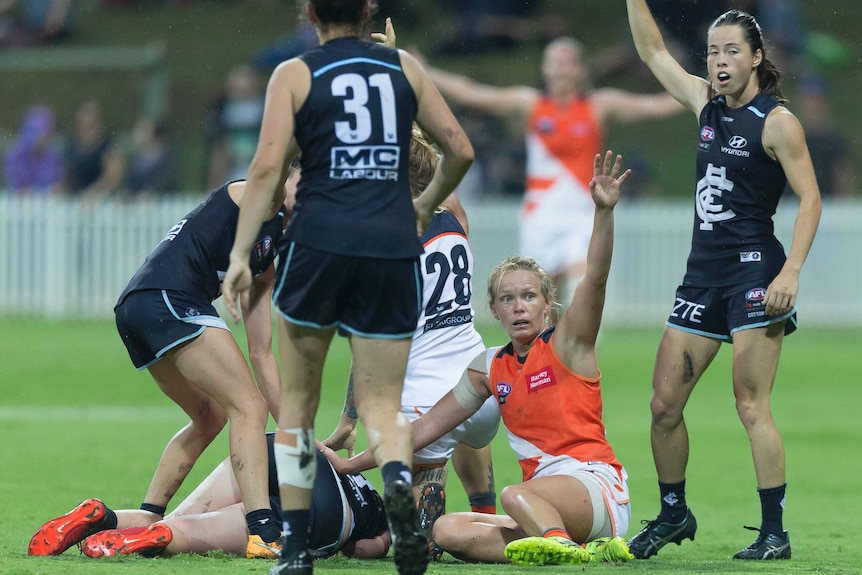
547	384
564	124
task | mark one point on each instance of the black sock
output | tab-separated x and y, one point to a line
772	509
673	506
157	509
396	470
110	519
296	529
263	522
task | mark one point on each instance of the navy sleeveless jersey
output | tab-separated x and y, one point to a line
194	255
354	132
737	191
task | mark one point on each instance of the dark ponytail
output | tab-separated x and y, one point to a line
768	75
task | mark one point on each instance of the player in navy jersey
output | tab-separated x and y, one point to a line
167	321
350	262
347	516
739	286
444	343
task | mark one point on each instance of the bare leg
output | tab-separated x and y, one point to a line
680	361
221	529
475	469
545	503
214	364
379	366
476	536
755	362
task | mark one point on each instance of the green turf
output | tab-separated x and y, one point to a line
77	421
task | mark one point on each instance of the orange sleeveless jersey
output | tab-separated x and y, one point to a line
547	409
569	135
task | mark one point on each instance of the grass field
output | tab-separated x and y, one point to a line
76	420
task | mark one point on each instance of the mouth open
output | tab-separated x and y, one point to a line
723	77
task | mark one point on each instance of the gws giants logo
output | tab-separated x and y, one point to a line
503	391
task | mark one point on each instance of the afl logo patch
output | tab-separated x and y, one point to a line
756	294
707	134
737	142
503	391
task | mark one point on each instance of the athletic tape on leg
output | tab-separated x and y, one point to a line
296	464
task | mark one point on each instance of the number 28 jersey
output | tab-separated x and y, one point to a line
354	132
446	339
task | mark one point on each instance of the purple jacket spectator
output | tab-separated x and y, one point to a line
34	162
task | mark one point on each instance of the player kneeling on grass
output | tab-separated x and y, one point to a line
347	516
547	384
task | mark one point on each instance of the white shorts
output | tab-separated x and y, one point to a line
478	431
610	496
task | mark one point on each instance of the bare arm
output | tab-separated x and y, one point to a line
257	314
578	328
499	101
620	106
689	90
287	89
435	117
372	548
784	137
446	415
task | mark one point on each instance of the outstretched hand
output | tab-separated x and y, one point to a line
606	183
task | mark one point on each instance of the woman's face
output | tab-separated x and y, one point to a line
730	62
563	70
520	306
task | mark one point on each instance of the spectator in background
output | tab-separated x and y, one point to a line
830	154
95	163
33	163
152	167
36	21
232	126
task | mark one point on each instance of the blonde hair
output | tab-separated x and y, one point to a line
515	263
423	160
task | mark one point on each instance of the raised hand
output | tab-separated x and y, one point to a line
606	183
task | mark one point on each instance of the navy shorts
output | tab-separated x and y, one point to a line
153	321
371	297
720	312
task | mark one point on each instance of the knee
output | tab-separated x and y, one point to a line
664	412
749	410
511	497
446	534
209	420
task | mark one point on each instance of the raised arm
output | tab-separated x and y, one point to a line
578	327
691	91
625	107
784	137
435	117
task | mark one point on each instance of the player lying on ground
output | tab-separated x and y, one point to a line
347	516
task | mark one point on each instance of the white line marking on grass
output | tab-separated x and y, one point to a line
90	413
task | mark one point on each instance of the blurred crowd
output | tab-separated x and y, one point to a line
84	158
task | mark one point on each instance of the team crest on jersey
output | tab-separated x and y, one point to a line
543	378
545	124
503	391
192	312
707	135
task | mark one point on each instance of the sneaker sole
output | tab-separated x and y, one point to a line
57	535
411	547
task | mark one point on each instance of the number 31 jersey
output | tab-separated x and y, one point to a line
354	132
446	340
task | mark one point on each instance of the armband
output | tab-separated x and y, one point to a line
465	394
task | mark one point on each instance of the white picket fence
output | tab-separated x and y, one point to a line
61	259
